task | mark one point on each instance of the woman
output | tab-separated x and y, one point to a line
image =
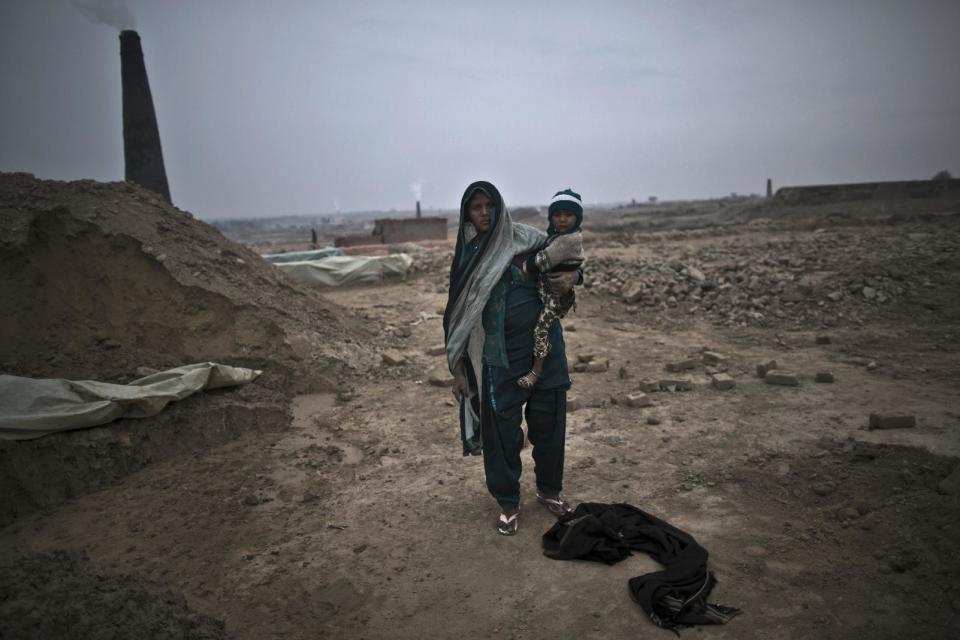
492	307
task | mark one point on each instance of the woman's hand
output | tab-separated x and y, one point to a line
460	387
562	282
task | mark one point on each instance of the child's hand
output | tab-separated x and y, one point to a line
562	282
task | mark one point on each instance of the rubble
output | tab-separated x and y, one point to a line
637	399
723	381
781	378
816	280
712	358
668	384
440	377
436	350
763	368
682	365
393	358
593	366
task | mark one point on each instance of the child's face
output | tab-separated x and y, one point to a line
563	220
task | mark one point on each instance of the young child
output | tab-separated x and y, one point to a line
563	251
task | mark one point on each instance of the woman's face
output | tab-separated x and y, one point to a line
481	210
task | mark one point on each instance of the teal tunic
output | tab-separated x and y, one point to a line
508	321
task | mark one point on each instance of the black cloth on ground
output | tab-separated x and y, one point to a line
608	533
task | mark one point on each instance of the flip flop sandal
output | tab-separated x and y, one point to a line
508	525
527	381
557	506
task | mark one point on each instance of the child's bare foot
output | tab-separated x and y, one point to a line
528	380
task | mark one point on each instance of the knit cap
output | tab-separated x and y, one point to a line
566	200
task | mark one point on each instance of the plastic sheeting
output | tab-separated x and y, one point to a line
30	408
343	270
302	256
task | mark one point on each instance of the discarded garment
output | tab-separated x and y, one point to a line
609	532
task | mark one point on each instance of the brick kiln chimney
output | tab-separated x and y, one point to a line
143	157
418	208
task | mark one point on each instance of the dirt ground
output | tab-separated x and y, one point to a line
362	520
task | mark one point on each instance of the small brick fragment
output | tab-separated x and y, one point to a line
393	358
723	381
436	350
823	340
440	377
632	293
649	386
712	358
764	367
901	421
668	384
573	404
598	366
683	365
637	399
782	378
824	376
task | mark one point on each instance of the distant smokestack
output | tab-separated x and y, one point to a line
418	208
769	187
143	157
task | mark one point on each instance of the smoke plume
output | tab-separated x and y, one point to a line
417	188
113	13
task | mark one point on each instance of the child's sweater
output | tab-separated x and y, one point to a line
562	252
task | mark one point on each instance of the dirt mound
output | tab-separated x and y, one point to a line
63	595
100	278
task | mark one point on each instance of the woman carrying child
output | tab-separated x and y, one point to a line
492	307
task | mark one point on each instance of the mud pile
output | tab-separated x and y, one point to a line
64	595
102	278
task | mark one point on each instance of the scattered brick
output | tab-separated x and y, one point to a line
436	350
653	420
683	365
440	377
712	358
823	339
764	367
637	399
675	385
898	421
649	386
393	358
594	366
723	381
824	376
781	378
632	293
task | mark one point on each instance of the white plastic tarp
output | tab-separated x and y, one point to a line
30	408
301	256
338	271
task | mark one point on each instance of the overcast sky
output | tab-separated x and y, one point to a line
295	107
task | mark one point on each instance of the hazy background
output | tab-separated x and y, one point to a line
298	107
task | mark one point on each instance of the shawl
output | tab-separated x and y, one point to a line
473	275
